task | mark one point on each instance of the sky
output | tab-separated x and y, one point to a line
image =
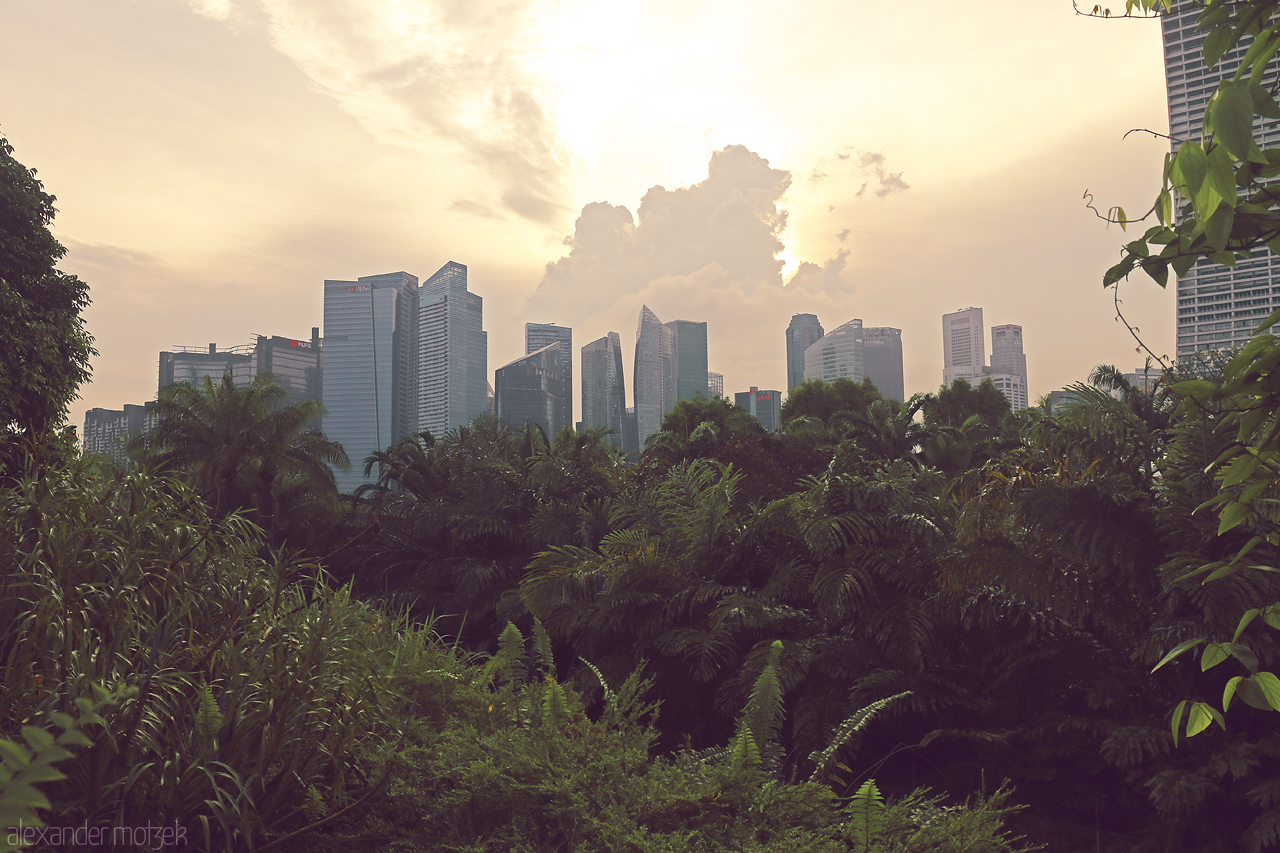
734	162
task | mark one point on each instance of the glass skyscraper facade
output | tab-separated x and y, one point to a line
688	359
528	390
192	364
453	352
803	332
296	364
539	335
654	379
837	354
1218	307
882	360
604	399
766	406
370	358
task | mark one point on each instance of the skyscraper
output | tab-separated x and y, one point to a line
715	384
604	399
837	354
764	405
192	364
654	379
1008	360
107	431
453	352
1218	307
297	364
801	334
963	350
370	332
527	390
689	359
539	335
882	360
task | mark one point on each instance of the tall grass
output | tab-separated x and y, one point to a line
254	679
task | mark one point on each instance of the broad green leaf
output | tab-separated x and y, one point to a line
1221	176
1217	230
1239	470
1232	113
1177	650
1200	389
1230	691
38	739
1157	269
1164	207
1245	655
1270	687
1178	711
1212	655
1233	515
1248	617
1192	164
1263	103
1198	719
1217	43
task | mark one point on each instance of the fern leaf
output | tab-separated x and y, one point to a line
866	816
853	724
764	711
542	648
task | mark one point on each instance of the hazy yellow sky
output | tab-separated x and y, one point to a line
216	160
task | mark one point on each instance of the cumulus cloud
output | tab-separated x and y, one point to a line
416	74
710	251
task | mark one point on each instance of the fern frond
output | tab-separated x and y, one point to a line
853	724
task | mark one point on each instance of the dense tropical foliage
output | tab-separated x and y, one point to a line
934	625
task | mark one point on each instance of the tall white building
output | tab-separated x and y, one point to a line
1218	307
837	354
963	353
1009	364
453	352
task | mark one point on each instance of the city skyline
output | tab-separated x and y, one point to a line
252	159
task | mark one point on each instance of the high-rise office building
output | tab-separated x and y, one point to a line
107	431
297	364
715	384
1009	364
882	360
539	335
837	354
192	364
370	337
453	352
528	390
688	359
1218	307
654	374
963	351
604	399
764	405
803	332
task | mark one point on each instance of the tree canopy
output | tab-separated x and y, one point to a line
46	349
815	398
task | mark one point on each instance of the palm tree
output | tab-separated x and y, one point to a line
245	451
